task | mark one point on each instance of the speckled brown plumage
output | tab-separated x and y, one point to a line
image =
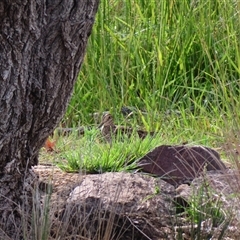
109	129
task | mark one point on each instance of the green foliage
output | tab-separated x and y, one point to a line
159	55
90	154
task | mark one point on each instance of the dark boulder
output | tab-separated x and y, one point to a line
180	164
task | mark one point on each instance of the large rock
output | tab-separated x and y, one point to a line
122	205
180	164
137	206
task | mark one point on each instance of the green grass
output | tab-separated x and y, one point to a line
205	211
160	55
91	154
177	56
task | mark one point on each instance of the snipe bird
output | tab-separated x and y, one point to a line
109	129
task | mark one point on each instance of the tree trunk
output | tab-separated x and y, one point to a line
42	46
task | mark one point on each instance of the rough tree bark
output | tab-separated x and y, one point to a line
42	46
